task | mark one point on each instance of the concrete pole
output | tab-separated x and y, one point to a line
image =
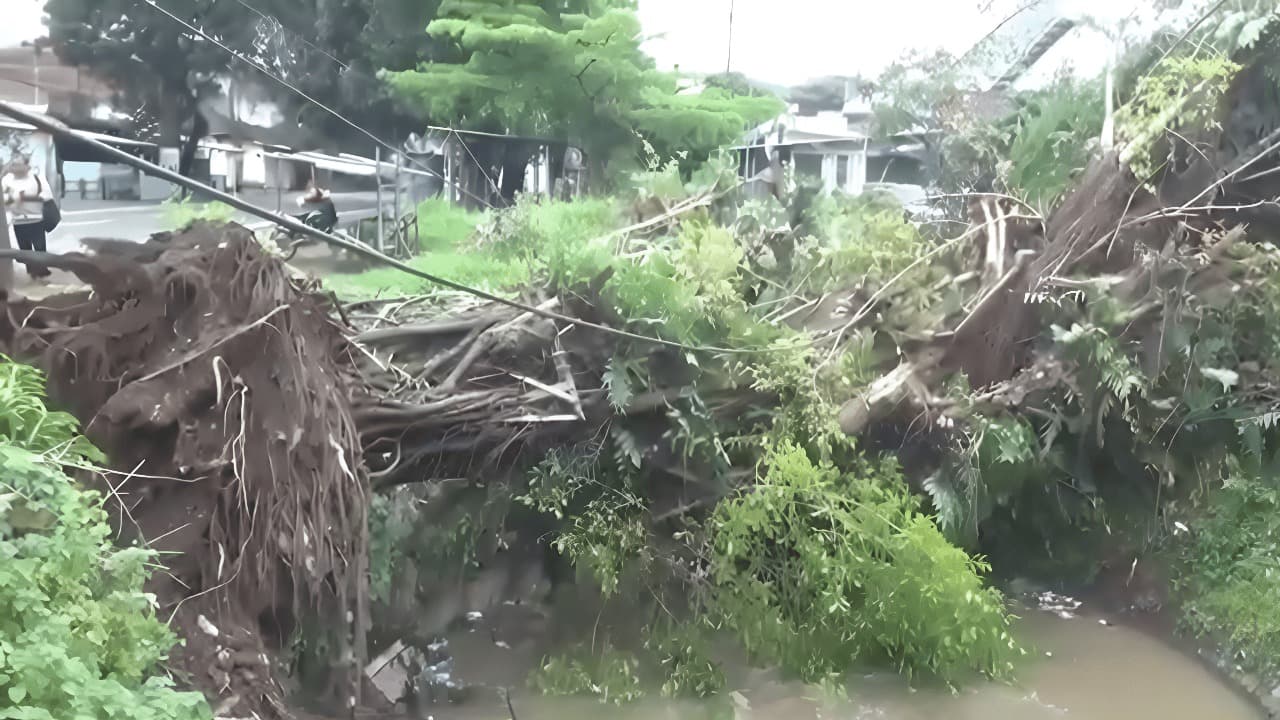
396	217
377	176
6	243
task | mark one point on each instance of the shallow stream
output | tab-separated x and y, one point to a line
1082	666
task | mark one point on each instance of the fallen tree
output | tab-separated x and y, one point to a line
1027	373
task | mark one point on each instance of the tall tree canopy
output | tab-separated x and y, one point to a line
339	62
571	70
331	50
161	68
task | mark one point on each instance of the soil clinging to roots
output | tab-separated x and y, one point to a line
220	389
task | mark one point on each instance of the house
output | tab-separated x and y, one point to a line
822	147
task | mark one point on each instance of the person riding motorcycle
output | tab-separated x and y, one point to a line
320	212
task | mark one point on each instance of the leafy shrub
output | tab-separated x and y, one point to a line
816	569
563	240
1233	571
612	676
619	677
78	637
444	226
687	669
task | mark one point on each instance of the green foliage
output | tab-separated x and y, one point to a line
444	226
612	676
181	214
1232	571
1001	458
1181	92
146	56
78	637
391	524
861	239
563	242
579	73
605	535
1052	140
816	568
1035	151
687	670
1104	366
673	655
25	421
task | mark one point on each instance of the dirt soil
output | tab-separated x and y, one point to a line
220	388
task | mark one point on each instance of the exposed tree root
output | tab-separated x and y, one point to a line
200	367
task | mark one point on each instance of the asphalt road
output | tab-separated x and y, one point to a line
137	221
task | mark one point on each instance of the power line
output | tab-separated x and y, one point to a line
276	21
56	129
308	43
239	56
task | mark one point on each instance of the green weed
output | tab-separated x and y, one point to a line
78	636
1232	577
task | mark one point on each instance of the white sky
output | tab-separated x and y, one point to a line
22	21
787	41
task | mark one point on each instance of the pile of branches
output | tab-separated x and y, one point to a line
453	390
220	391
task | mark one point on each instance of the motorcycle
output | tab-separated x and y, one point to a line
290	240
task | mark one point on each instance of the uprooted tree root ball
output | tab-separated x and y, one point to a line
221	392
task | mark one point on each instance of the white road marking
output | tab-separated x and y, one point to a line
81	223
109	210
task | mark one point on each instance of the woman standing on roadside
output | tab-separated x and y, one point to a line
24	194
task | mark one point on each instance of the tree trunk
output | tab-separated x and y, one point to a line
199	128
169	117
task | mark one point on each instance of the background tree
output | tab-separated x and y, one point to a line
338	62
159	67
577	74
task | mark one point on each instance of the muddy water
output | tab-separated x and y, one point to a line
1080	668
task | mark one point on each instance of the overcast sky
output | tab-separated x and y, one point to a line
785	41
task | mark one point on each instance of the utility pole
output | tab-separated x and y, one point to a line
6	243
728	62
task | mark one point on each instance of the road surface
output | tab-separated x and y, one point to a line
137	221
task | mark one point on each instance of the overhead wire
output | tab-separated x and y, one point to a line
57	129
452	132
240	56
281	25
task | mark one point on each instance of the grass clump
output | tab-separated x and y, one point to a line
443	226
472	269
